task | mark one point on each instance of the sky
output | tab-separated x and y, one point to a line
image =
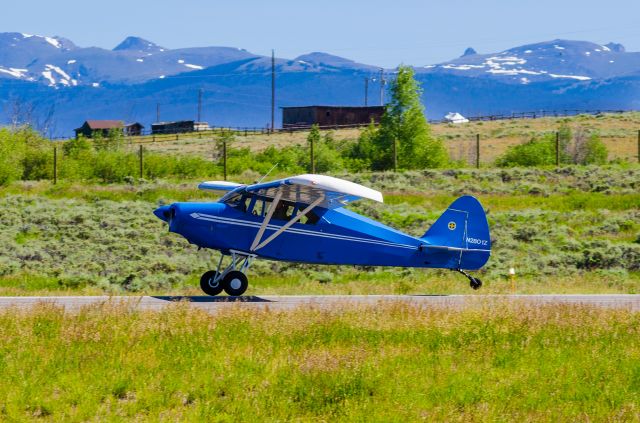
382	33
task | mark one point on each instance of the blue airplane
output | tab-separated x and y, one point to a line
303	219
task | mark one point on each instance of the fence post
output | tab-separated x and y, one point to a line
395	155
140	157
477	151
55	165
557	148
313	162
224	158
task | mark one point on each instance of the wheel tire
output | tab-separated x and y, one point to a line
235	283
206	283
476	283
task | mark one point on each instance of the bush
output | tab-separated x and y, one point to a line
575	148
536	152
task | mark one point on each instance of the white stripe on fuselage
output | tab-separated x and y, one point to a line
239	222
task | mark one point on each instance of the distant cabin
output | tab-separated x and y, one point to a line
177	127
201	126
133	129
103	127
305	116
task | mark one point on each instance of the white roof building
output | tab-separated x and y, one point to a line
455	117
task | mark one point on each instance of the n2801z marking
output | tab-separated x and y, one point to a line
478	241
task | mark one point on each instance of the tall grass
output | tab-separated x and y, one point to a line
391	362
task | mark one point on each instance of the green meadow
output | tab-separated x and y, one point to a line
572	229
393	362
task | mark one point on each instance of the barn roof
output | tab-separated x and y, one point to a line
105	124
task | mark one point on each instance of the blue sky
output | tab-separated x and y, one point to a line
383	33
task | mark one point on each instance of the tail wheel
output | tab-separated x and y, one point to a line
475	283
235	283
209	285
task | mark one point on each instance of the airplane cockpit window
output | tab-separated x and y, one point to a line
310	218
284	210
234	200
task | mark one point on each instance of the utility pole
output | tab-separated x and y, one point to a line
200	105
273	88
366	91
157	112
382	82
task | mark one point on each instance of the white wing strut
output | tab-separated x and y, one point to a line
266	220
288	224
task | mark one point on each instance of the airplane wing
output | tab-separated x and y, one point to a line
326	191
218	186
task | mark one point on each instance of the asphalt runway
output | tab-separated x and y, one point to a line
286	302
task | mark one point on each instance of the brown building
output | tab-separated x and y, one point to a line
90	127
133	129
177	127
302	117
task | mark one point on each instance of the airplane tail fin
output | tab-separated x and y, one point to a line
459	239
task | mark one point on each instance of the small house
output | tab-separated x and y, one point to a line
102	127
201	126
133	129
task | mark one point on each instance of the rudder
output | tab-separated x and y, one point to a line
463	232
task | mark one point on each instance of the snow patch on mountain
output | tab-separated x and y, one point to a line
579	78
54	42
17	73
197	67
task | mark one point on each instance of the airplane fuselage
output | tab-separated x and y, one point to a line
339	237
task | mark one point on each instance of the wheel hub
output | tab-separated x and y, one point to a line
235	283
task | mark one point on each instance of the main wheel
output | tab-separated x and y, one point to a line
475	283
209	285
235	283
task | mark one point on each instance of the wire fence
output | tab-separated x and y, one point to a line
177	134
475	150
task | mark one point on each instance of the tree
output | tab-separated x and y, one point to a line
405	124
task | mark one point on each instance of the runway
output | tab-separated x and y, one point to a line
286	302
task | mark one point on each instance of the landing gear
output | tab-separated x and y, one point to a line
235	283
232	279
211	283
474	283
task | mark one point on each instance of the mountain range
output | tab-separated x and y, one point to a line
52	79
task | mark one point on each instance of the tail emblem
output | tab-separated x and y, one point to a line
452	226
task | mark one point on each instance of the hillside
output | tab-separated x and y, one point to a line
619	132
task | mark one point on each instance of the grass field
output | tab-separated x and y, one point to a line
571	230
619	132
392	362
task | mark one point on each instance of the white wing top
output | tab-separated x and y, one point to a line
306	189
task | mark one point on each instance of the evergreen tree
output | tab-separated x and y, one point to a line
405	124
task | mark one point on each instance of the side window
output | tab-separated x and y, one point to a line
260	207
310	218
284	210
246	204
